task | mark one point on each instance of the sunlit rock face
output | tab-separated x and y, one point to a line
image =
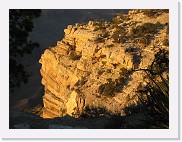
88	57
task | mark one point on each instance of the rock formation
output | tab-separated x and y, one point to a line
84	69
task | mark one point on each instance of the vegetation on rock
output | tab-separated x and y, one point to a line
154	12
119	35
120	57
154	97
147	28
166	42
111	87
107	89
99	24
20	25
74	56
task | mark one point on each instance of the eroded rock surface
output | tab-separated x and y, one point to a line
87	57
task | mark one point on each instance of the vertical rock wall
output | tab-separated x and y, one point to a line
73	70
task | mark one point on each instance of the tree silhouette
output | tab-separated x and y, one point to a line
20	25
154	97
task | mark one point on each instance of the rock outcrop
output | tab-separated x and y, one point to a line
88	57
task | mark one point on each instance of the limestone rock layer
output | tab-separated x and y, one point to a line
87	57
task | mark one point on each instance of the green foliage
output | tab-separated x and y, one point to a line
107	89
111	87
147	28
105	34
129	50
118	20
95	112
155	102
160	63
99	24
145	39
102	37
145	32
119	35
154	97
20	25
115	20
124	72
81	82
17	74
123	78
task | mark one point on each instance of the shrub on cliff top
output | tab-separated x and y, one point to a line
102	37
154	12
147	28
107	89
99	24
146	40
119	35
74	56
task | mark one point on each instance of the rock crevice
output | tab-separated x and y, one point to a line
87	57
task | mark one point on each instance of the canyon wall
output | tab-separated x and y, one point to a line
88	61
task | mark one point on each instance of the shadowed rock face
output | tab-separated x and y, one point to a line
48	29
73	70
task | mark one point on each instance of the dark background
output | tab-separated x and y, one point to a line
48	29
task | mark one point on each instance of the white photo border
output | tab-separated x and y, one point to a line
171	133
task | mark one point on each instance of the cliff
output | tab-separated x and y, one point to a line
92	66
